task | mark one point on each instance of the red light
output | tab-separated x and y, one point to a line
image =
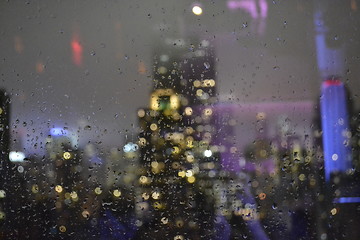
332	82
77	50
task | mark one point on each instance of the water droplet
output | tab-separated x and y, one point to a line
20	169
207	65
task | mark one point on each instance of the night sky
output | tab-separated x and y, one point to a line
87	65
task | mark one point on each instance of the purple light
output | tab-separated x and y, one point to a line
256	8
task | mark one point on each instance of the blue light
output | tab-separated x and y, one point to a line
335	126
58	132
347	200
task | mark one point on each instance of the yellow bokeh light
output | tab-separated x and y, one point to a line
153	126
144	180
142	141
85	214
58	188
182	174
179	237
145	196
174	101
190	158
189	130
164	220
208	111
302	177
62	228
197	10
141	113
179	223
197	83
67	195
73	195
188	111
35	188
155	195
190	142
154	164
98	190
333	211
2	194
66	155
158	205
260	116
117	193
191	179
175	150
162	70
175	165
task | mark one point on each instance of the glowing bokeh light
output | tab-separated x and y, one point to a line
117	193
208	153
58	189
15	156
197	10
77	51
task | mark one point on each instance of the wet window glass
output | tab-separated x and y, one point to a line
180	120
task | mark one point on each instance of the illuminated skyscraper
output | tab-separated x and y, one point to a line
177	157
335	127
342	181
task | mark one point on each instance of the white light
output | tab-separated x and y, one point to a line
15	156
58	132
197	10
164	58
130	147
207	153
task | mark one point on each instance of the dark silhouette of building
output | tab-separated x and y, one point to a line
178	161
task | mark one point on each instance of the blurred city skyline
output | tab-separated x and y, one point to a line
88	65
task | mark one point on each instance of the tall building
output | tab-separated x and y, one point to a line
67	187
4	162
341	180
177	157
12	196
335	127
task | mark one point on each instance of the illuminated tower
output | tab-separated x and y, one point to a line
335	127
342	181
176	152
